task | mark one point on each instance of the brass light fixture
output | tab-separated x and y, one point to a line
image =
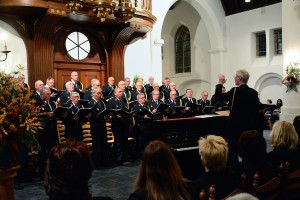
125	10
74	5
103	8
5	52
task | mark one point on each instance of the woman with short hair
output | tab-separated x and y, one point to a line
284	140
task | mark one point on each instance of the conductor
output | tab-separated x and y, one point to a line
243	102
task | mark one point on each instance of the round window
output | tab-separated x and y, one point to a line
78	45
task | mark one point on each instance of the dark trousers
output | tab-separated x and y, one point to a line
120	128
99	140
47	139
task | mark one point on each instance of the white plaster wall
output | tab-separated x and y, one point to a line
199	17
137	58
15	44
240	40
291	53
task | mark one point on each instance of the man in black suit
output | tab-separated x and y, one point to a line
65	95
78	86
98	127
203	101
36	94
161	94
244	104
149	86
73	124
108	89
219	105
21	82
88	93
165	88
48	136
126	96
174	102
154	103
173	87
142	123
120	126
138	89
190	103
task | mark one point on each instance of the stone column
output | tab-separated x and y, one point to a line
291	53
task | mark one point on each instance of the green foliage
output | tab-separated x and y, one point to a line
293	70
136	78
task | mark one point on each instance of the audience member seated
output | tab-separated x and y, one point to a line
213	152
277	111
160	176
284	140
69	168
252	149
242	196
296	124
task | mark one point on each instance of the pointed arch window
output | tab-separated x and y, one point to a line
182	50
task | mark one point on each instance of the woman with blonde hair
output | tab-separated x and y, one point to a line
284	140
213	152
160	176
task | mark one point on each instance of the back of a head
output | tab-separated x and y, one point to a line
243	75
283	134
213	151
296	123
69	168
242	196
252	146
160	173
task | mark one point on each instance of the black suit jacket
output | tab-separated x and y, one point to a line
88	95
166	90
203	103
152	105
64	97
172	110
77	87
108	91
98	125
187	103
224	181
138	108
135	93
37	98
244	104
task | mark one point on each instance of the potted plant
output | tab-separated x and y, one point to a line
292	79
20	120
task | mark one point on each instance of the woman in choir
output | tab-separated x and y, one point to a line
160	176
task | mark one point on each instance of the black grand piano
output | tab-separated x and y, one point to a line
182	135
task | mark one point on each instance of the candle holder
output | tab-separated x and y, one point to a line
5	53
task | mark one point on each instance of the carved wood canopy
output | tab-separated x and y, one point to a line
43	26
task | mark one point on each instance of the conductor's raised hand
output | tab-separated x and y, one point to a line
222	79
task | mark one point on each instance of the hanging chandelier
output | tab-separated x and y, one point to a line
74	6
103	8
125	10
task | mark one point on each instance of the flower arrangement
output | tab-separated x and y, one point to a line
293	75
20	120
136	78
